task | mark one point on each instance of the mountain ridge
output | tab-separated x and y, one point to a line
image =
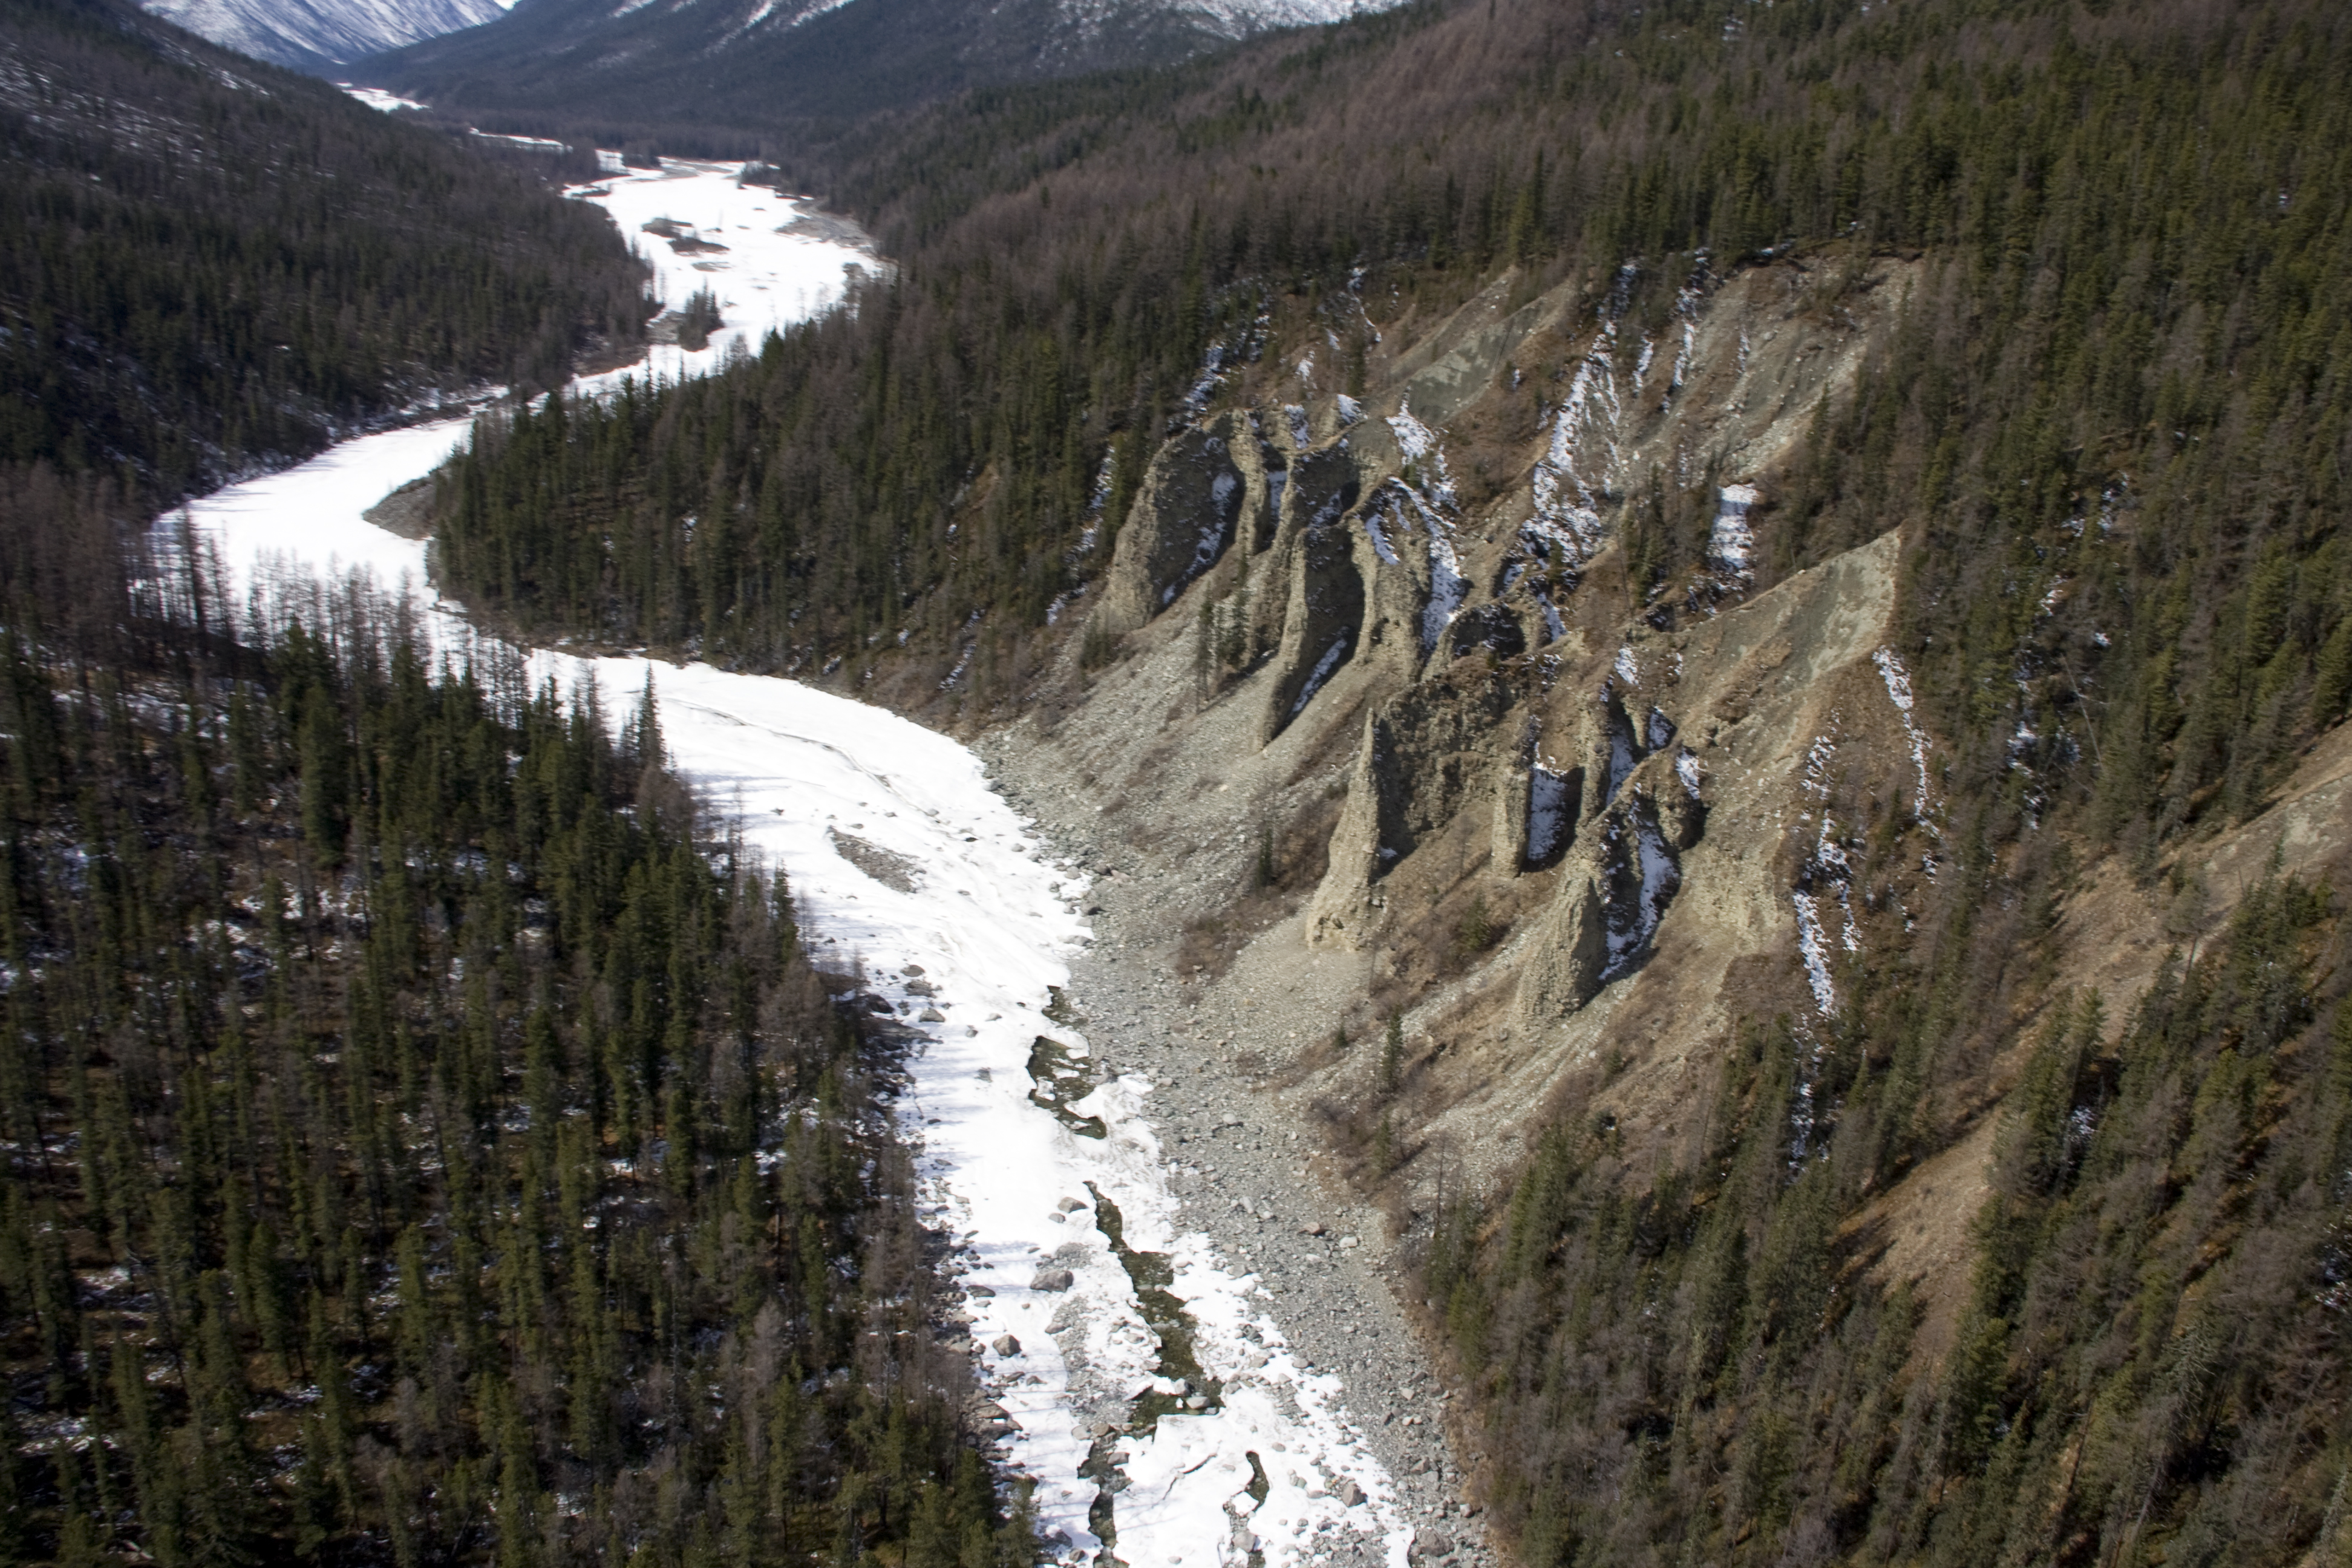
215	265
318	36
754	68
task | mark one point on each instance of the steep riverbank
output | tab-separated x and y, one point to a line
1250	1167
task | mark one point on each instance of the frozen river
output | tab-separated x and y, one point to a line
1025	1154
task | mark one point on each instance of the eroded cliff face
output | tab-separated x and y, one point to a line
1575	819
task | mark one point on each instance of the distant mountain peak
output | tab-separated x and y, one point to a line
310	35
741	64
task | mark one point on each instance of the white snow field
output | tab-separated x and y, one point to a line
376	98
765	279
301	33
969	951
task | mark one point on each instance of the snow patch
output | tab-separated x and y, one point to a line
1632	924
1687	768
1548	809
1555	627
378	99
1815	948
1414	440
1321	673
1567	500
1898	691
1731	543
1447	588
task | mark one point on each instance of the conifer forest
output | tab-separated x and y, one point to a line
1811	973
431	1143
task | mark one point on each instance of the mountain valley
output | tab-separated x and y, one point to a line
1491	783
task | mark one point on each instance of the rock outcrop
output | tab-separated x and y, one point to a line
1556	799
1205	485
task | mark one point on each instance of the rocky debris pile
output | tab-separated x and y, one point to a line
1247	1173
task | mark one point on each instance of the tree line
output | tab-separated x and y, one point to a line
428	1139
2113	418
209	266
2115	403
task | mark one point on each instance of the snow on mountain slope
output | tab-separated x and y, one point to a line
1221	18
308	34
1239	18
754	63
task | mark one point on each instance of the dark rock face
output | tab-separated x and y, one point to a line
1491	626
1183	519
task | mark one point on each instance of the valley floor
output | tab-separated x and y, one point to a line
1249	1161
1211	1388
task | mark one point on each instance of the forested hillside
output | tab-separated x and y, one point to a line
2135	224
427	1142
736	78
210	266
2109	417
2149	1364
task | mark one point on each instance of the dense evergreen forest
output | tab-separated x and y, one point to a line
2150	1364
426	1143
2113	416
2137	226
751	79
209	266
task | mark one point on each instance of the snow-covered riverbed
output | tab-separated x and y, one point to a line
965	923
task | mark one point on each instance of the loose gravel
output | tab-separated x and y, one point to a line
1250	1170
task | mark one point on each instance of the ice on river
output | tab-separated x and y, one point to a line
765	279
990	922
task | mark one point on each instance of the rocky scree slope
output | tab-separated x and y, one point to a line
1423	822
1462	701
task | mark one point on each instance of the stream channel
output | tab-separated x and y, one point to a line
1134	1374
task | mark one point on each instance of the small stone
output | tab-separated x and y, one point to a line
913	969
1052	1279
1069	1206
1312	1228
1005	1345
1197	1402
977	1290
1350	1241
930	1015
1349	1493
